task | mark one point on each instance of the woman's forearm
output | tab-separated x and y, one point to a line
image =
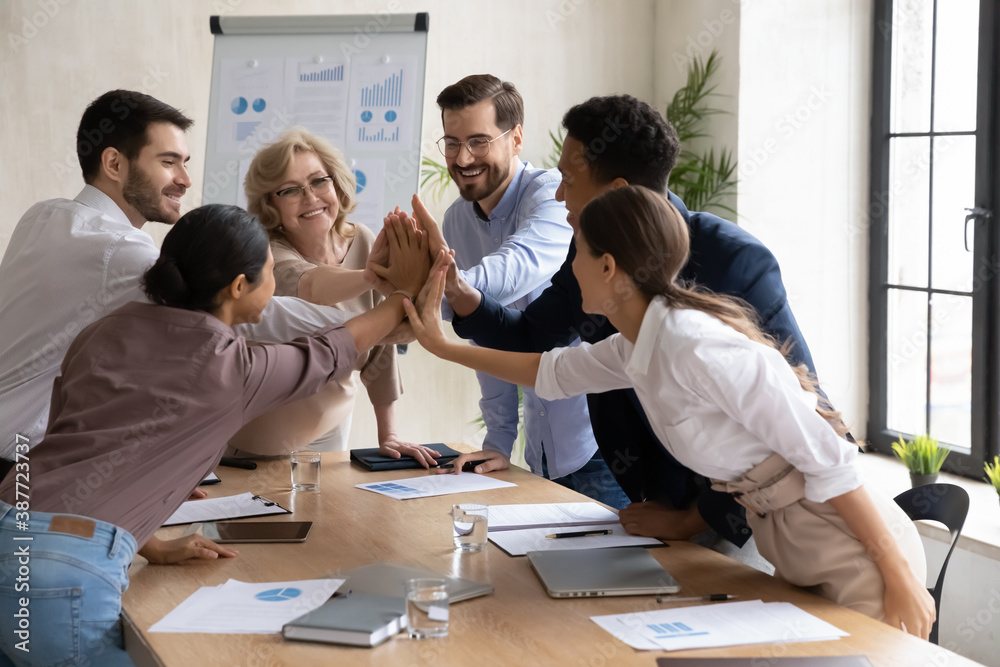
863	518
329	285
517	367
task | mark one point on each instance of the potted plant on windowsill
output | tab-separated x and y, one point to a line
922	457
993	473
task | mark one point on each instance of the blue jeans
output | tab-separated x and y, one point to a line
71	587
593	480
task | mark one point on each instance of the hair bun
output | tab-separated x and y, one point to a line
164	284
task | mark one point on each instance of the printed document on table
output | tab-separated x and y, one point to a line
520	542
516	517
434	485
227	507
724	624
240	608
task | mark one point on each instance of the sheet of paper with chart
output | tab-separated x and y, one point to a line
252	96
241	608
726	624
382	99
369	176
316	94
434	485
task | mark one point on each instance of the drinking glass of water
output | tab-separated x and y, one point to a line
427	607
305	470
468	526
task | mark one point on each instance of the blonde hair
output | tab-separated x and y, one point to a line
268	170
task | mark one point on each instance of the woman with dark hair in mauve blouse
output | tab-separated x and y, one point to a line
146	400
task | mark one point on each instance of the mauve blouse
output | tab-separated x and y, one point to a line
146	400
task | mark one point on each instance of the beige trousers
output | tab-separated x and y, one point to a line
809	543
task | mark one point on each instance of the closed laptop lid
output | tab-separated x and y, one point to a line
387	579
598	572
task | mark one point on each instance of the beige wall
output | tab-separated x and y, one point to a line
57	55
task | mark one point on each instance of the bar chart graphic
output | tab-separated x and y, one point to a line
312	73
388	93
383	135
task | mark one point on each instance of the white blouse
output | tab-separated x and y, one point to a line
719	402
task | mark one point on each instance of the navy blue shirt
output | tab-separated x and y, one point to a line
724	258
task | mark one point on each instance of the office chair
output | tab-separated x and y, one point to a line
947	504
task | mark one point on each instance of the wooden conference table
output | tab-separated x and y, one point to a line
517	624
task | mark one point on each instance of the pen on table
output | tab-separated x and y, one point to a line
468	467
714	597
583	533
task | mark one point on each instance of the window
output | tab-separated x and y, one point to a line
933	246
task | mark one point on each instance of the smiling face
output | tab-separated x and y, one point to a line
577	187
158	178
314	214
481	178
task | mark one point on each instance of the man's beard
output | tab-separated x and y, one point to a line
140	193
495	176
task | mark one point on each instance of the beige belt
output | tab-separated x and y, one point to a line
770	485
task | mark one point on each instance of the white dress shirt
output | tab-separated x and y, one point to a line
70	262
511	256
718	402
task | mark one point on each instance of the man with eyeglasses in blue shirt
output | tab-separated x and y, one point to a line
509	235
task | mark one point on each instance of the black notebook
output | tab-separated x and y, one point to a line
370	459
357	619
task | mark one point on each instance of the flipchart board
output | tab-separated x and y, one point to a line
357	81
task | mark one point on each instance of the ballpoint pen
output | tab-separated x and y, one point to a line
713	597
469	466
583	533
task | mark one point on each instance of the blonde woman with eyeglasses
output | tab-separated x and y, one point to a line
302	191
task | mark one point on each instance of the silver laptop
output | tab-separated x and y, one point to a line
572	573
390	580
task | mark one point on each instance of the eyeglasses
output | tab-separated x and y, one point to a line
478	146
317	186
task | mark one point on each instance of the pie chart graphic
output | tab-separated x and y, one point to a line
390	115
360	179
259	104
366	116
239	105
278	594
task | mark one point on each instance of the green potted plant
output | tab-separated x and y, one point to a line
922	457
993	473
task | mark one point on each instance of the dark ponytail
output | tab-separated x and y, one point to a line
204	252
650	242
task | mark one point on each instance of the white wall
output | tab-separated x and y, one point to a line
804	98
57	55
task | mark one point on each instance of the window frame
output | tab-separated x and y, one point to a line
985	418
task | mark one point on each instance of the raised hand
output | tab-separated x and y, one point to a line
409	262
379	256
427	325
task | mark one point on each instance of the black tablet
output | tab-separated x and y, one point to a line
225	532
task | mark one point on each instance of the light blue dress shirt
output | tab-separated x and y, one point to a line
511	256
